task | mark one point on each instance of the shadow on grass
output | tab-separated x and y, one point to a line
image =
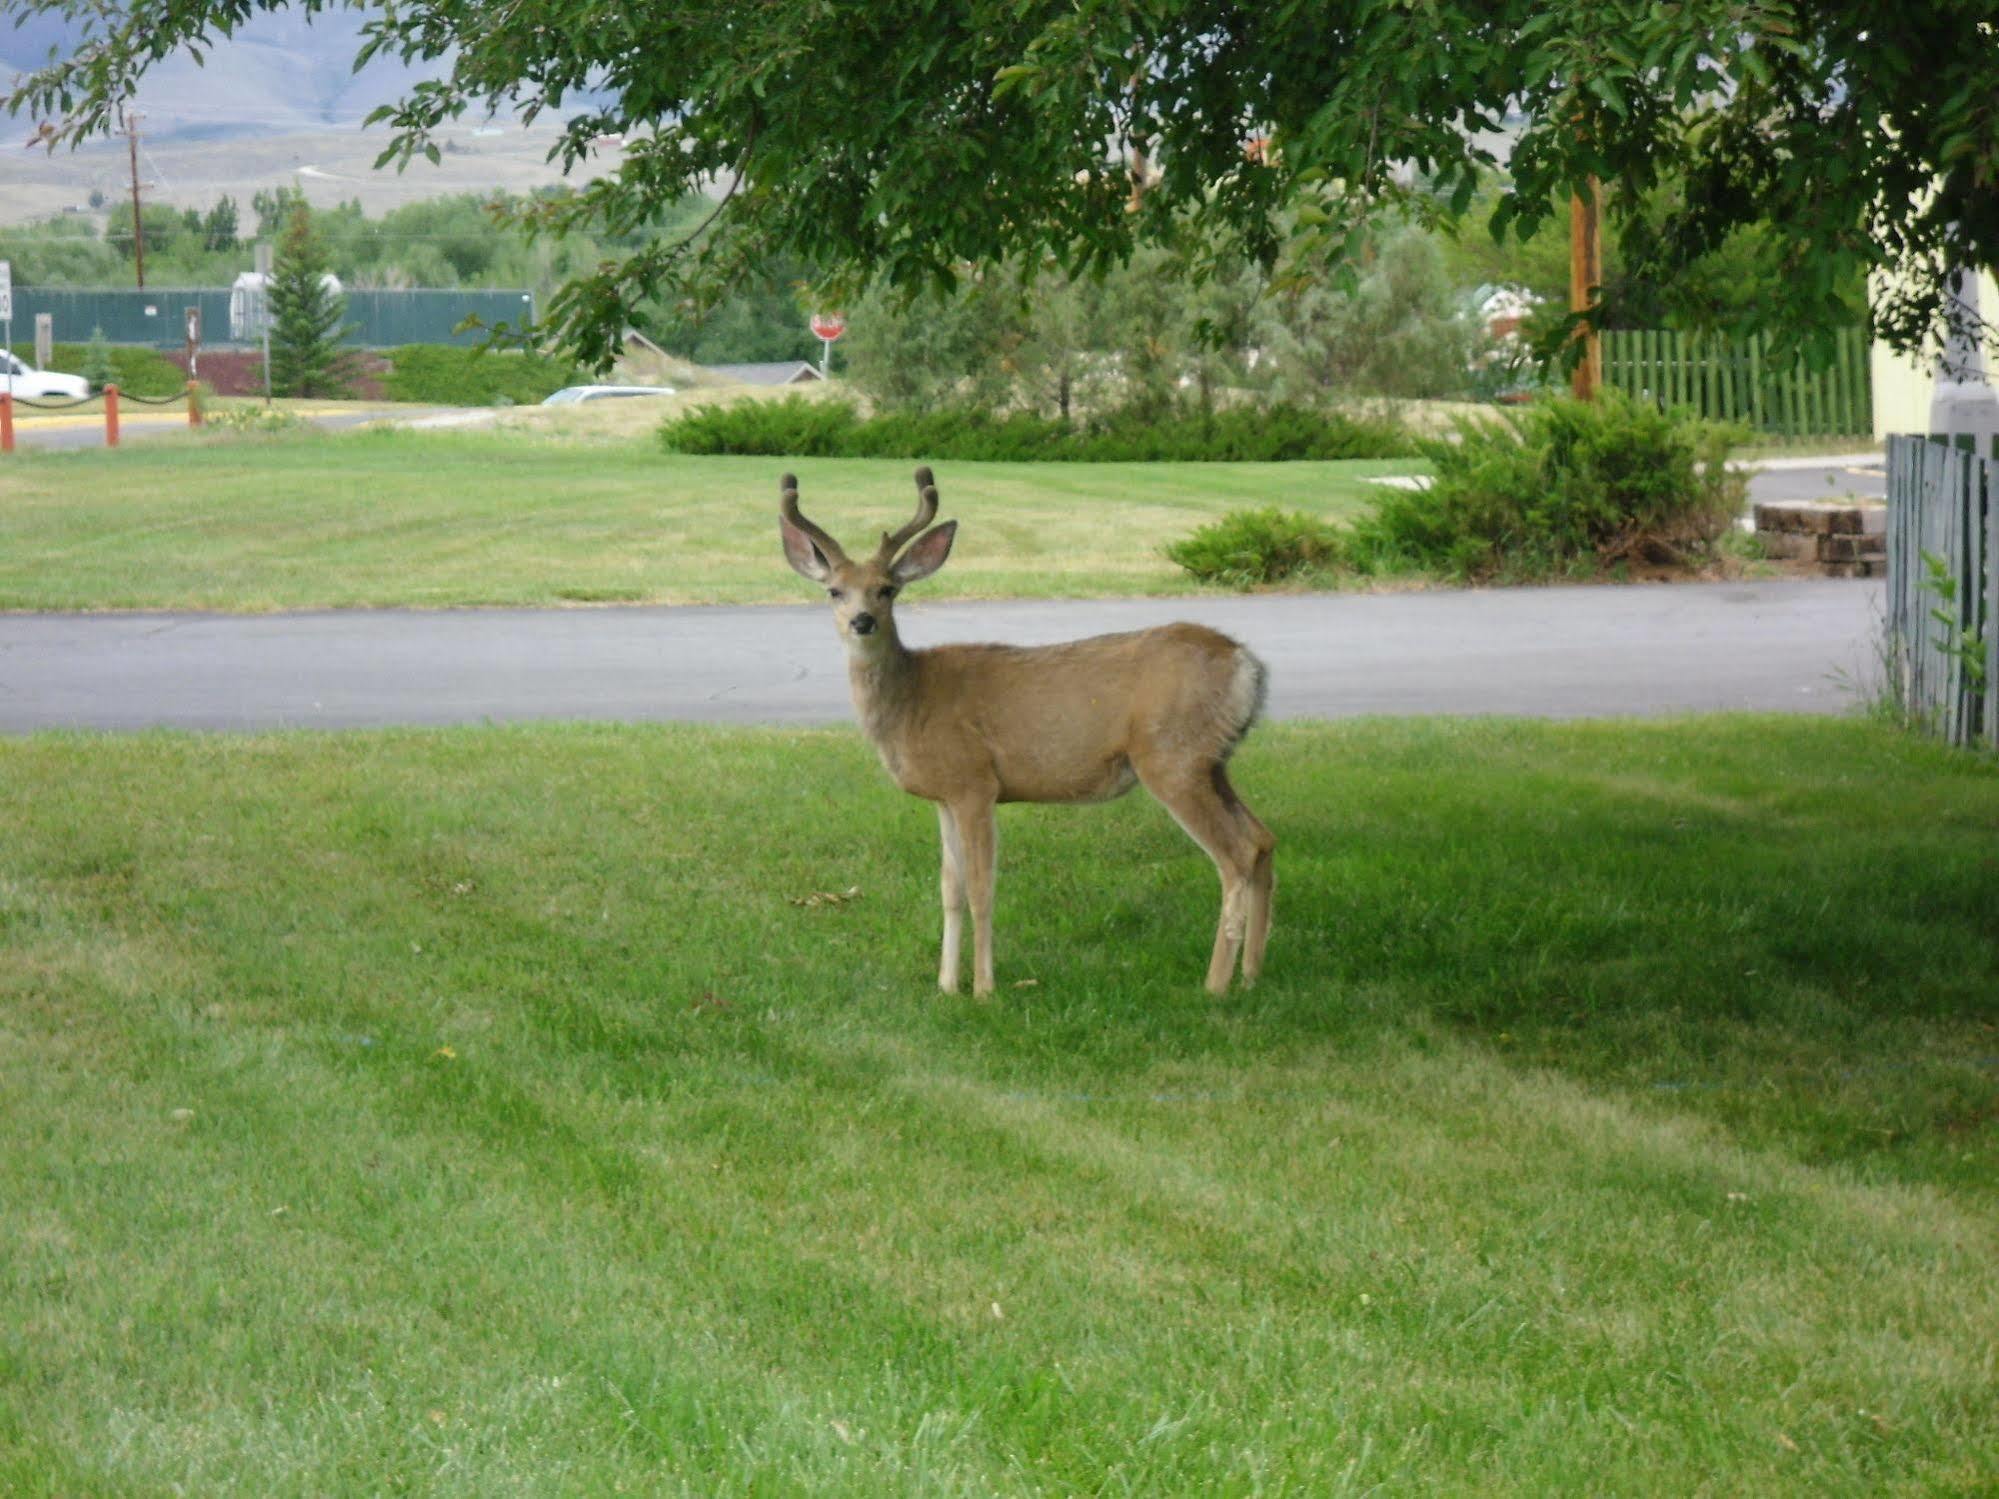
1790	928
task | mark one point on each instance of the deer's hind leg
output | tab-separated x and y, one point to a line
1201	800
1262	880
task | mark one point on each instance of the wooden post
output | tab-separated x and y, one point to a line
1585	277
110	416
138	221
6	421
193	404
1992	600
1756	382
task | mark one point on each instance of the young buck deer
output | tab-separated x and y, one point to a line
969	726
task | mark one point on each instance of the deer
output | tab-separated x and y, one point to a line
970	726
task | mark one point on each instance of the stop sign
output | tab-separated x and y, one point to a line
828	325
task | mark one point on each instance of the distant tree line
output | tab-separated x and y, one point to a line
449	241
1395	317
1184	325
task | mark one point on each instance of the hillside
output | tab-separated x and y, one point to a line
279	103
280	74
328	165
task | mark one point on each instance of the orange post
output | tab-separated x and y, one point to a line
6	421
110	416
193	405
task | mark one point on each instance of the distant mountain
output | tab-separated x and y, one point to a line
278	104
279	75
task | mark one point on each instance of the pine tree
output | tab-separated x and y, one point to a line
97	360
219	228
307	326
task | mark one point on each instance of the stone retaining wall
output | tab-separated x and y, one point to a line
1843	539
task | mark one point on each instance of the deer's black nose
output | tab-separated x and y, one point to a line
863	624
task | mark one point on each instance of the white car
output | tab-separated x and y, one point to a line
39	385
569	395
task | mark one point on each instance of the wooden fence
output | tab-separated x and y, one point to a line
1943	587
1737	380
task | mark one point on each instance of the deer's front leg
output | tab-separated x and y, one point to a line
978	841
951	885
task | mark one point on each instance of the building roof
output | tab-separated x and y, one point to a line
784	372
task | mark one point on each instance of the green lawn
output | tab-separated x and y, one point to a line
473	1112
513	517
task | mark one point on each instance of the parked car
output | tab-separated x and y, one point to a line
569	395
38	385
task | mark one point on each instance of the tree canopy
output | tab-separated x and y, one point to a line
899	141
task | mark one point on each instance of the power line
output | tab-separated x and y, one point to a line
160	177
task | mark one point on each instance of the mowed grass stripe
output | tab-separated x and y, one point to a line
538	1143
433	519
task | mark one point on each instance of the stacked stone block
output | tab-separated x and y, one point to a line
1841	538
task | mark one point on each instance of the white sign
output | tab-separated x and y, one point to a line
6	292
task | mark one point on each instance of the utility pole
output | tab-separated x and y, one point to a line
1585	277
138	223
262	252
1963	404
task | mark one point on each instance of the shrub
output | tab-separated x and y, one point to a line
791	428
1564	487
1247	548
255	421
445	375
803	428
97	368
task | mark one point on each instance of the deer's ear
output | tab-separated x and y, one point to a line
805	558
926	554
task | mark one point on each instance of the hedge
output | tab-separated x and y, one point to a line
797	427
444	375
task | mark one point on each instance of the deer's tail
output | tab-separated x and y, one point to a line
1242	703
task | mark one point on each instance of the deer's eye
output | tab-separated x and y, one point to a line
836	593
888	593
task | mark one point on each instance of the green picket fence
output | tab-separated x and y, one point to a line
1738	380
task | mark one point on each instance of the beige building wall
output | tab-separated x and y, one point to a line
1902	385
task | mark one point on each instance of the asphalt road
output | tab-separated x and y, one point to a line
1863	476
133	425
139	423
1552	652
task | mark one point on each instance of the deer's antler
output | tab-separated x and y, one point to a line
787	507
926	512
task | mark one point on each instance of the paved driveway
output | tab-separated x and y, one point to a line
141	422
1862	476
1552	652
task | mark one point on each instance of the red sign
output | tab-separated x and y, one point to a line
828	325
